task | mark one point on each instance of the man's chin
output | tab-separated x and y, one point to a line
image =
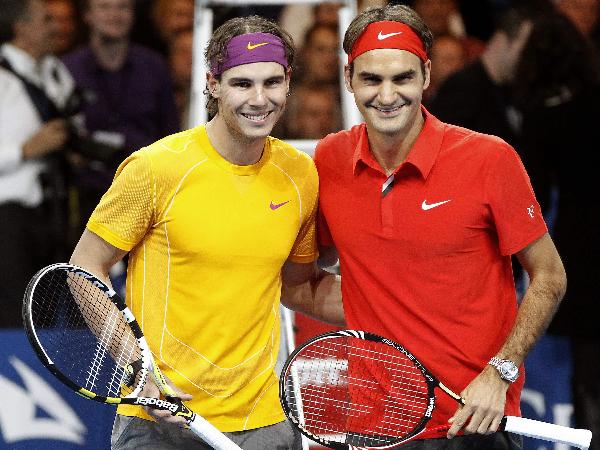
253	133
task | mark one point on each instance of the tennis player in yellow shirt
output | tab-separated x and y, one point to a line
214	219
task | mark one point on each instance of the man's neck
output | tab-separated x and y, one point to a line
22	45
234	147
390	151
110	53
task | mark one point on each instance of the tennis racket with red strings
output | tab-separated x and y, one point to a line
356	390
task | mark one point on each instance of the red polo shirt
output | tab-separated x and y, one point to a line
428	263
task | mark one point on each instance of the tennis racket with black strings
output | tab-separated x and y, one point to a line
356	390
83	332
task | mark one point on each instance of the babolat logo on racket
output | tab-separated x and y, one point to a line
163	404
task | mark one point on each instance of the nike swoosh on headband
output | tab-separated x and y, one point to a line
381	36
253	46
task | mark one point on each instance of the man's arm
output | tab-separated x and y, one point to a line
485	396
96	255
22	137
313	291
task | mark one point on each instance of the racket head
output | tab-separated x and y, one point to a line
83	332
353	389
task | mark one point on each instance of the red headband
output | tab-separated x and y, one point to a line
388	34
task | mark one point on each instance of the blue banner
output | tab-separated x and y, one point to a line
38	412
547	394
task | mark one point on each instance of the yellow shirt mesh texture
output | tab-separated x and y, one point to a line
207	241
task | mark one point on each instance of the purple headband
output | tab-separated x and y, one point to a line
251	48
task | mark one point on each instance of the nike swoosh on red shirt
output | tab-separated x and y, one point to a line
274	206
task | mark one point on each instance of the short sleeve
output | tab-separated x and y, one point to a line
516	213
323	234
304	249
126	210
324	237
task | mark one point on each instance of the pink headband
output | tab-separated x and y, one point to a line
251	48
388	34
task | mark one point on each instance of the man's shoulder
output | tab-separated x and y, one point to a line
8	79
13	90
351	135
462	140
172	145
339	147
289	157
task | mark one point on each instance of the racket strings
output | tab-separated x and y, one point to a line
347	384
83	332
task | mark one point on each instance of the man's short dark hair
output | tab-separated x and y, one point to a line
12	12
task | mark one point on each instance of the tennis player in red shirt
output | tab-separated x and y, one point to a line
424	217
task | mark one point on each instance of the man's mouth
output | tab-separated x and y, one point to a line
387	109
256	117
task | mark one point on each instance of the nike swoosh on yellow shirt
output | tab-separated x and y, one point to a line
253	46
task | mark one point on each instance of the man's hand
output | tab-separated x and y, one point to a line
151	390
49	138
485	398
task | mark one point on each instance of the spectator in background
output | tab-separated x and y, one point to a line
128	94
171	17
34	86
297	18
585	15
558	93
312	112
180	63
448	55
327	13
319	61
64	15
476	97
443	17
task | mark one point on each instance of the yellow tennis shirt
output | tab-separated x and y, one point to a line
207	240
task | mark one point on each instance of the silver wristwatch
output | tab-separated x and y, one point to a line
507	369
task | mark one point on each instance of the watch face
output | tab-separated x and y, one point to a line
509	370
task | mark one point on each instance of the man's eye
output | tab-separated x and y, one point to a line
371	80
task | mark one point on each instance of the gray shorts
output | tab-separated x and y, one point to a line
133	433
494	441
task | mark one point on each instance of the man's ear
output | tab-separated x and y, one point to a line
213	85
348	78
427	74
288	77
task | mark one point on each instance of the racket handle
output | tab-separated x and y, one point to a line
579	438
213	437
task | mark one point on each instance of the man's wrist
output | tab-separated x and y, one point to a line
506	368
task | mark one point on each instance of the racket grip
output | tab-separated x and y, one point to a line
579	438
208	433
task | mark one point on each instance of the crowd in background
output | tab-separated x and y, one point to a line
131	67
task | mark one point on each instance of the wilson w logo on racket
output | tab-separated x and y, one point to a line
380	397
83	332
